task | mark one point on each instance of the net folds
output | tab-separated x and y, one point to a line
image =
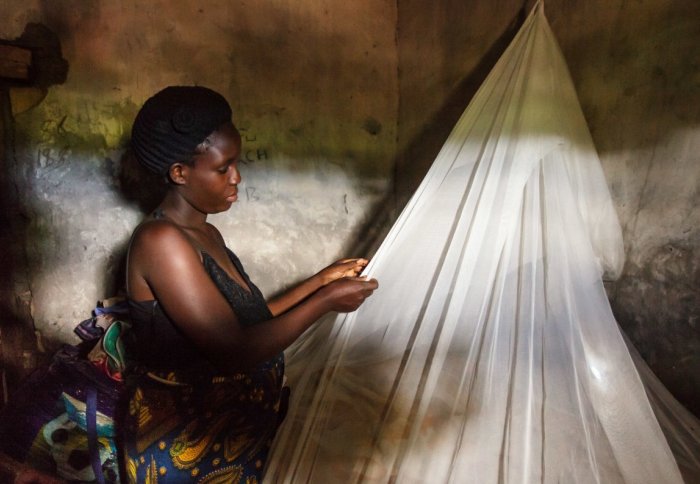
490	354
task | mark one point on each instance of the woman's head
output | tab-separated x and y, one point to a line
210	183
173	123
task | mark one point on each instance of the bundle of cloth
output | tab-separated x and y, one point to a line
60	422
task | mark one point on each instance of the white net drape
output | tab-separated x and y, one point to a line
489	354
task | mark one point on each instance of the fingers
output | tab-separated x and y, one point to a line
350	267
351	292
342	268
356	261
352	259
371	283
366	289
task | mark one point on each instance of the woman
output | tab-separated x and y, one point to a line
205	391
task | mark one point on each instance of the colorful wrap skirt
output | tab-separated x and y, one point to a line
217	430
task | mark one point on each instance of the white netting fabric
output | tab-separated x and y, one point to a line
489	354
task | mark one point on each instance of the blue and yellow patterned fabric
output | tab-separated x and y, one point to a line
185	423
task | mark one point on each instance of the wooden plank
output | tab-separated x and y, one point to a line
14	62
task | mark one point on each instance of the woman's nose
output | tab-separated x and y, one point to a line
235	175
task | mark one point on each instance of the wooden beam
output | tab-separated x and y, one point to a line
15	62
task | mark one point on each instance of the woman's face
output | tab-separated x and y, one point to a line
211	183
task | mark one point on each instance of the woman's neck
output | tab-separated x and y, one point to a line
176	209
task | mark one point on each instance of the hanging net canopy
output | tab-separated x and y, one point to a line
490	353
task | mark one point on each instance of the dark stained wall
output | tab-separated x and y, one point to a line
313	89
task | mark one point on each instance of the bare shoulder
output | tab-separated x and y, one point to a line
162	262
155	240
151	234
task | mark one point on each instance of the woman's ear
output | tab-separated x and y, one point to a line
178	173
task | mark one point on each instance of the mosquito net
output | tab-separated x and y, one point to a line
489	354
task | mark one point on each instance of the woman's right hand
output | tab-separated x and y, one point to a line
347	294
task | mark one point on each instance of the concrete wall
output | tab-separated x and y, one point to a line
335	98
636	67
313	88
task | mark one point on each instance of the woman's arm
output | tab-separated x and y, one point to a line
337	270
161	258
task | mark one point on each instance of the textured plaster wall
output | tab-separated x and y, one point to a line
334	98
313	88
638	78
636	67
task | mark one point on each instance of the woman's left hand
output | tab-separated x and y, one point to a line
342	268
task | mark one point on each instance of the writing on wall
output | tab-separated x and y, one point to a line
252	152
